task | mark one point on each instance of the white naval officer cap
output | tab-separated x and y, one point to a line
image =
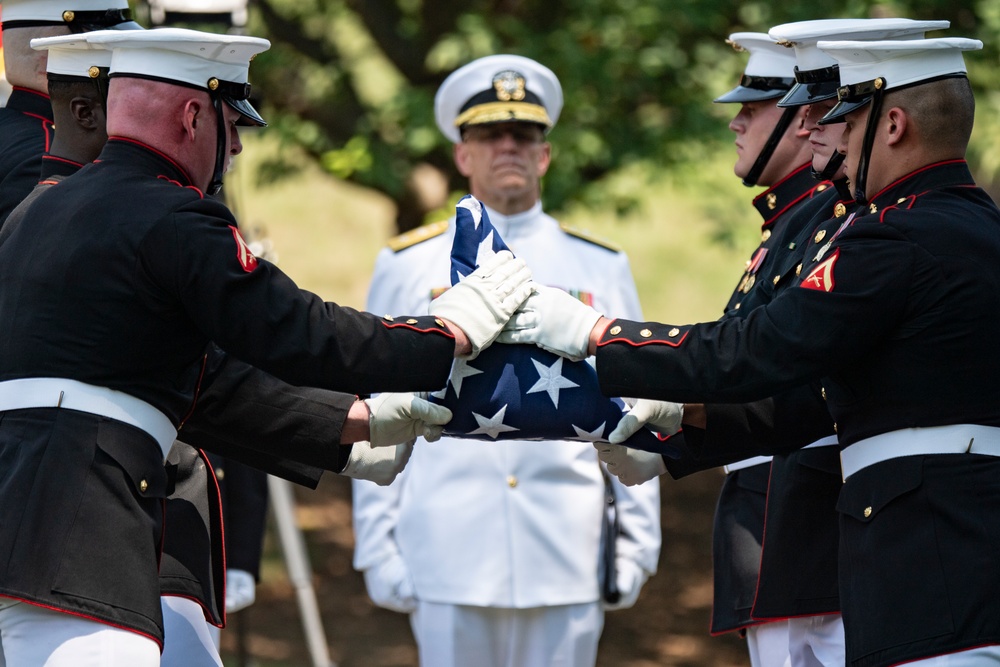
769	73
78	15
497	89
73	56
870	67
816	73
219	64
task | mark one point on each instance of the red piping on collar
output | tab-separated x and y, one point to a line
149	148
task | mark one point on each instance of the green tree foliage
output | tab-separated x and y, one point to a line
352	81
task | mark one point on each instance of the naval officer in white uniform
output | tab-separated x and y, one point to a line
494	548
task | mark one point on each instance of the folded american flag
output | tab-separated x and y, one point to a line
522	392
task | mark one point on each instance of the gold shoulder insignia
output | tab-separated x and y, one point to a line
418	235
589	238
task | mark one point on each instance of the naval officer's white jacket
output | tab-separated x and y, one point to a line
506	524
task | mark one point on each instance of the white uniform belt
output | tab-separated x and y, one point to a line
746	463
73	395
758	460
950	439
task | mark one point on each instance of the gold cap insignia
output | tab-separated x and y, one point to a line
879	82
509	86
94	71
213	84
68	16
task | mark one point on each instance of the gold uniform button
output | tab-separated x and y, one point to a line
411	321
766	235
840	210
798	269
438	321
673	332
821	187
387	317
615	330
820	235
220	474
645	333
835	427
791	246
901	200
868	511
736	307
772	201
511	481
143	485
822	392
776	279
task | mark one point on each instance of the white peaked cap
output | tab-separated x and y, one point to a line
900	63
73	55
767	57
803	36
497	89
178	55
769	72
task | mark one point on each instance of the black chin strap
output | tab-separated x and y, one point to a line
750	179
220	146
871	127
832	165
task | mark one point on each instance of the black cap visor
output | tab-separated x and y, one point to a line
757	89
814	85
248	115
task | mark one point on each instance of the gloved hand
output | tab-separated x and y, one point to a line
399	418
660	416
554	321
389	585
241	590
630	466
629	579
485	299
377	464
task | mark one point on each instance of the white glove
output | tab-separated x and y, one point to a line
485	299
377	464
389	585
630	466
399	418
241	590
660	416
629	579
553	320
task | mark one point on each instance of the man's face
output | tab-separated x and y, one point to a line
850	143
824	139
753	125
207	140
504	163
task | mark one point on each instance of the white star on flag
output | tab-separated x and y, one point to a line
597	435
551	380
492	426
459	371
485	252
